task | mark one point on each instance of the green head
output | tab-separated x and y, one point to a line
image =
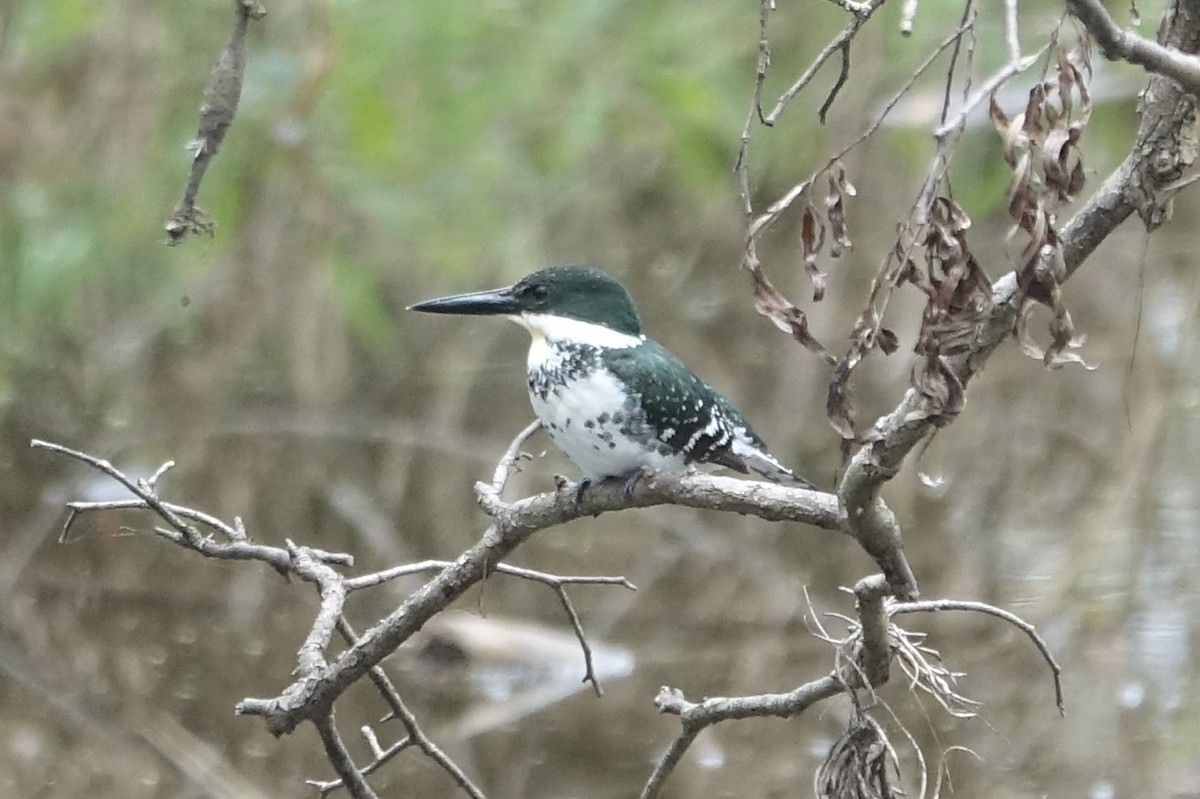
582	293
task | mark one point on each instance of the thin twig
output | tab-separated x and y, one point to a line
508	461
776	209
182	511
1009	70
755	112
142	492
339	757
843	76
838	42
398	710
152	481
376	578
934	605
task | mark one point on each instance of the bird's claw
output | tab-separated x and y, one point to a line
580	487
631	482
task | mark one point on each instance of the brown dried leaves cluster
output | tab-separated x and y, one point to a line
935	258
771	303
959	297
1041	147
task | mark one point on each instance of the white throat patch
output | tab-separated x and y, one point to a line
548	327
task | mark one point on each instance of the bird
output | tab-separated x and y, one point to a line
617	403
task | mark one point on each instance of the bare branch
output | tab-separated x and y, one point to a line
1123	45
670	759
1011	36
876	654
142	492
696	716
852	6
555	582
513	523
311	657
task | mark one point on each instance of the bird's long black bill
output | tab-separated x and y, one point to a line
477	303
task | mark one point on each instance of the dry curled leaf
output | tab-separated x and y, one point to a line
941	392
812	239
769	302
1059	353
835	209
217	111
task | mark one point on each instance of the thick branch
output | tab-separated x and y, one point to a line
512	525
1123	45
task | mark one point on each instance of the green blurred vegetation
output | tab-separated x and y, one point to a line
434	138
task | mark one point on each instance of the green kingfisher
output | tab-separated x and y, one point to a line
615	401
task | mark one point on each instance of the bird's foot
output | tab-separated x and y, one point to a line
631	481
580	487
628	482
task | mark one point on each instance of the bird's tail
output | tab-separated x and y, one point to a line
764	464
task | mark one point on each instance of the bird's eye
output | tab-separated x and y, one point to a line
538	291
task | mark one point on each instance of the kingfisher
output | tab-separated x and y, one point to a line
614	401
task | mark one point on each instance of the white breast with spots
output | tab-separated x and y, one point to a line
579	417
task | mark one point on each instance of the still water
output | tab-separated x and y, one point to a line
1069	498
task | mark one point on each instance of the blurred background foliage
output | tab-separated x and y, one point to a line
386	152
